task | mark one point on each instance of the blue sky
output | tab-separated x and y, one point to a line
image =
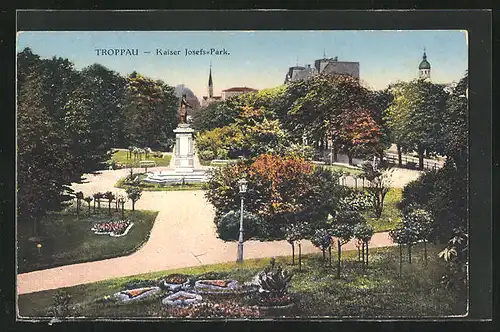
259	59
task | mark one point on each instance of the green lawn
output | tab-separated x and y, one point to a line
120	157
375	291
69	240
391	217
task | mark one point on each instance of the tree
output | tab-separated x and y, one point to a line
88	199
110	197
44	167
456	256
379	186
134	194
79	196
363	233
151	109
323	240
216	115
97	198
357	132
421	221
415	117
294	233
342	227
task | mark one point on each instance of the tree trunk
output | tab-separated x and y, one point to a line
339	256
421	158
381	155
359	254
300	256
89	209
400	159
94	206
366	254
349	156
363	252
109	208
293	253
324	254
133	205
330	256
335	155
400	259
425	252
99	205
409	254
427	154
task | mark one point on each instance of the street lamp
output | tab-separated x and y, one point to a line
243	185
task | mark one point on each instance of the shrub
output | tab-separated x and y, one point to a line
274	281
225	309
228	226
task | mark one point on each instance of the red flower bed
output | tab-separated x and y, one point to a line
115	227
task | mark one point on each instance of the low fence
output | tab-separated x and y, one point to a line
412	162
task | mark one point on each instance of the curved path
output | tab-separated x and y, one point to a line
183	235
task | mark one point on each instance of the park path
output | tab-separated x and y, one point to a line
183	235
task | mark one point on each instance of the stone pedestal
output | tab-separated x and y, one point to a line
184	149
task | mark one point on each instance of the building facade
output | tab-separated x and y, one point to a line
322	66
424	68
231	92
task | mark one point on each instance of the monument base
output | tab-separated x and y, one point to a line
184	149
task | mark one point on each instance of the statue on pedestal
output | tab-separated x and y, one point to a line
183	109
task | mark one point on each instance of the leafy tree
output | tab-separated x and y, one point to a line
357	132
294	233
378	102
134	194
281	190
110	197
421	221
342	227
88	199
415	117
97	198
44	167
79	196
323	240
379	186
363	233
228	226
216	115
151	111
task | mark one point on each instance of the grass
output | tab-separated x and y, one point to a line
371	292
69	240
160	187
120	157
391	217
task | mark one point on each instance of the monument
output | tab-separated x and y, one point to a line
183	165
184	145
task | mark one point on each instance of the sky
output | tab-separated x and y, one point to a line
258	59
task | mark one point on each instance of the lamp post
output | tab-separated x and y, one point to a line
243	184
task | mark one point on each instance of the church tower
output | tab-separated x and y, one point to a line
424	69
210	84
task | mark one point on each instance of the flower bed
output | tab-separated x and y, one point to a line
136	294
114	228
181	298
174	282
216	286
227	309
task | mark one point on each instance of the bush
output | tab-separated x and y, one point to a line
228	226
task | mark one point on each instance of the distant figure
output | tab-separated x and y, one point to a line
183	109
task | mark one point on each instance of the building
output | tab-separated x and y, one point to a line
322	66
424	68
209	98
231	92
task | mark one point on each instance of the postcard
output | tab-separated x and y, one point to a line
208	175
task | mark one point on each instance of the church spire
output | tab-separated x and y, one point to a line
210	83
